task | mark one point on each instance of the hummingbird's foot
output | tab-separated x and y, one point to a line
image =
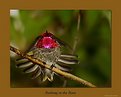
52	66
44	63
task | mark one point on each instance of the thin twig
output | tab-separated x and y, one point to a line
64	82
78	22
77	34
41	63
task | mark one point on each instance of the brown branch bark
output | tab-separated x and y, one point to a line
41	63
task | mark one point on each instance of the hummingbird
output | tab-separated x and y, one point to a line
47	48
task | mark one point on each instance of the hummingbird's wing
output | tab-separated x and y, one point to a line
62	42
23	63
63	67
29	67
68	59
69	56
31	47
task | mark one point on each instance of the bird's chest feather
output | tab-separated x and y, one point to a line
50	56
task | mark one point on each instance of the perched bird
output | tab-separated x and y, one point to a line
47	48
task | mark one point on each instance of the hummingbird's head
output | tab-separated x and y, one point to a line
47	41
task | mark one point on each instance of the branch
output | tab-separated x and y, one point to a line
78	22
41	63
77	33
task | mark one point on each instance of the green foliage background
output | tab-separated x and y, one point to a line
93	43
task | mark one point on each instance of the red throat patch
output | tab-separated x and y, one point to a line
47	41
